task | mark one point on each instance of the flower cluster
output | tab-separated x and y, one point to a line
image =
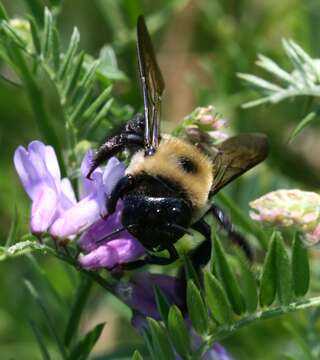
56	210
290	208
203	125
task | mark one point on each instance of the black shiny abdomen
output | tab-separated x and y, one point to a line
153	213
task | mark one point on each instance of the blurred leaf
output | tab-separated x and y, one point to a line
179	333
283	270
160	341
217	299
35	36
268	284
70	54
47	36
228	279
162	304
302	124
12	236
78	306
300	267
137	356
41	343
36	8
82	350
196	309
108	66
303	344
47	317
3	13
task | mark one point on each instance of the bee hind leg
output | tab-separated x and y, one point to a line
226	224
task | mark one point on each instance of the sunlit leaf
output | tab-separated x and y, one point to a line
196	309
160	341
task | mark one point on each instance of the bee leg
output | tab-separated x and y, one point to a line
131	136
199	257
120	188
150	259
234	236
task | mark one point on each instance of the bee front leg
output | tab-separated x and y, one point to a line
123	185
150	259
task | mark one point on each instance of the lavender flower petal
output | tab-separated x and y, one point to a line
43	210
113	253
76	219
101	228
113	172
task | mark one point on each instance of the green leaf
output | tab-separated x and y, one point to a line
162	304
299	339
35	36
47	36
300	267
228	279
55	47
73	77
46	316
98	102
41	343
78	306
160	341
190	271
82	350
283	271
217	300
268	283
302	125
3	13
196	309
36	8
21	248
248	283
179	333
12	236
137	356
70	54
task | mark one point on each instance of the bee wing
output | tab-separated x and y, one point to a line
237	155
152	84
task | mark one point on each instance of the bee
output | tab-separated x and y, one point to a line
169	181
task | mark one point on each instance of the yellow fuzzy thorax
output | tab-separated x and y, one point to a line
165	163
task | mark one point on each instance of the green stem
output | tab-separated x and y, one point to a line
224	331
243	220
78	306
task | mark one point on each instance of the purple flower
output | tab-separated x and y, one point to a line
138	294
39	173
54	205
108	253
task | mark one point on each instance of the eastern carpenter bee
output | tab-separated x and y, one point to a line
169	181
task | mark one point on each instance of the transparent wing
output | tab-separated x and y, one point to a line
237	155
152	85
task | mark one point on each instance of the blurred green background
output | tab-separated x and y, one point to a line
200	45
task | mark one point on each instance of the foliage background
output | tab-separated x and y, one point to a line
201	45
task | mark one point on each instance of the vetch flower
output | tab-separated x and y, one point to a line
39	172
297	209
138	294
54	205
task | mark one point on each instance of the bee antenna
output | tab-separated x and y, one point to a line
114	232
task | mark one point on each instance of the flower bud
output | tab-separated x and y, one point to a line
295	209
